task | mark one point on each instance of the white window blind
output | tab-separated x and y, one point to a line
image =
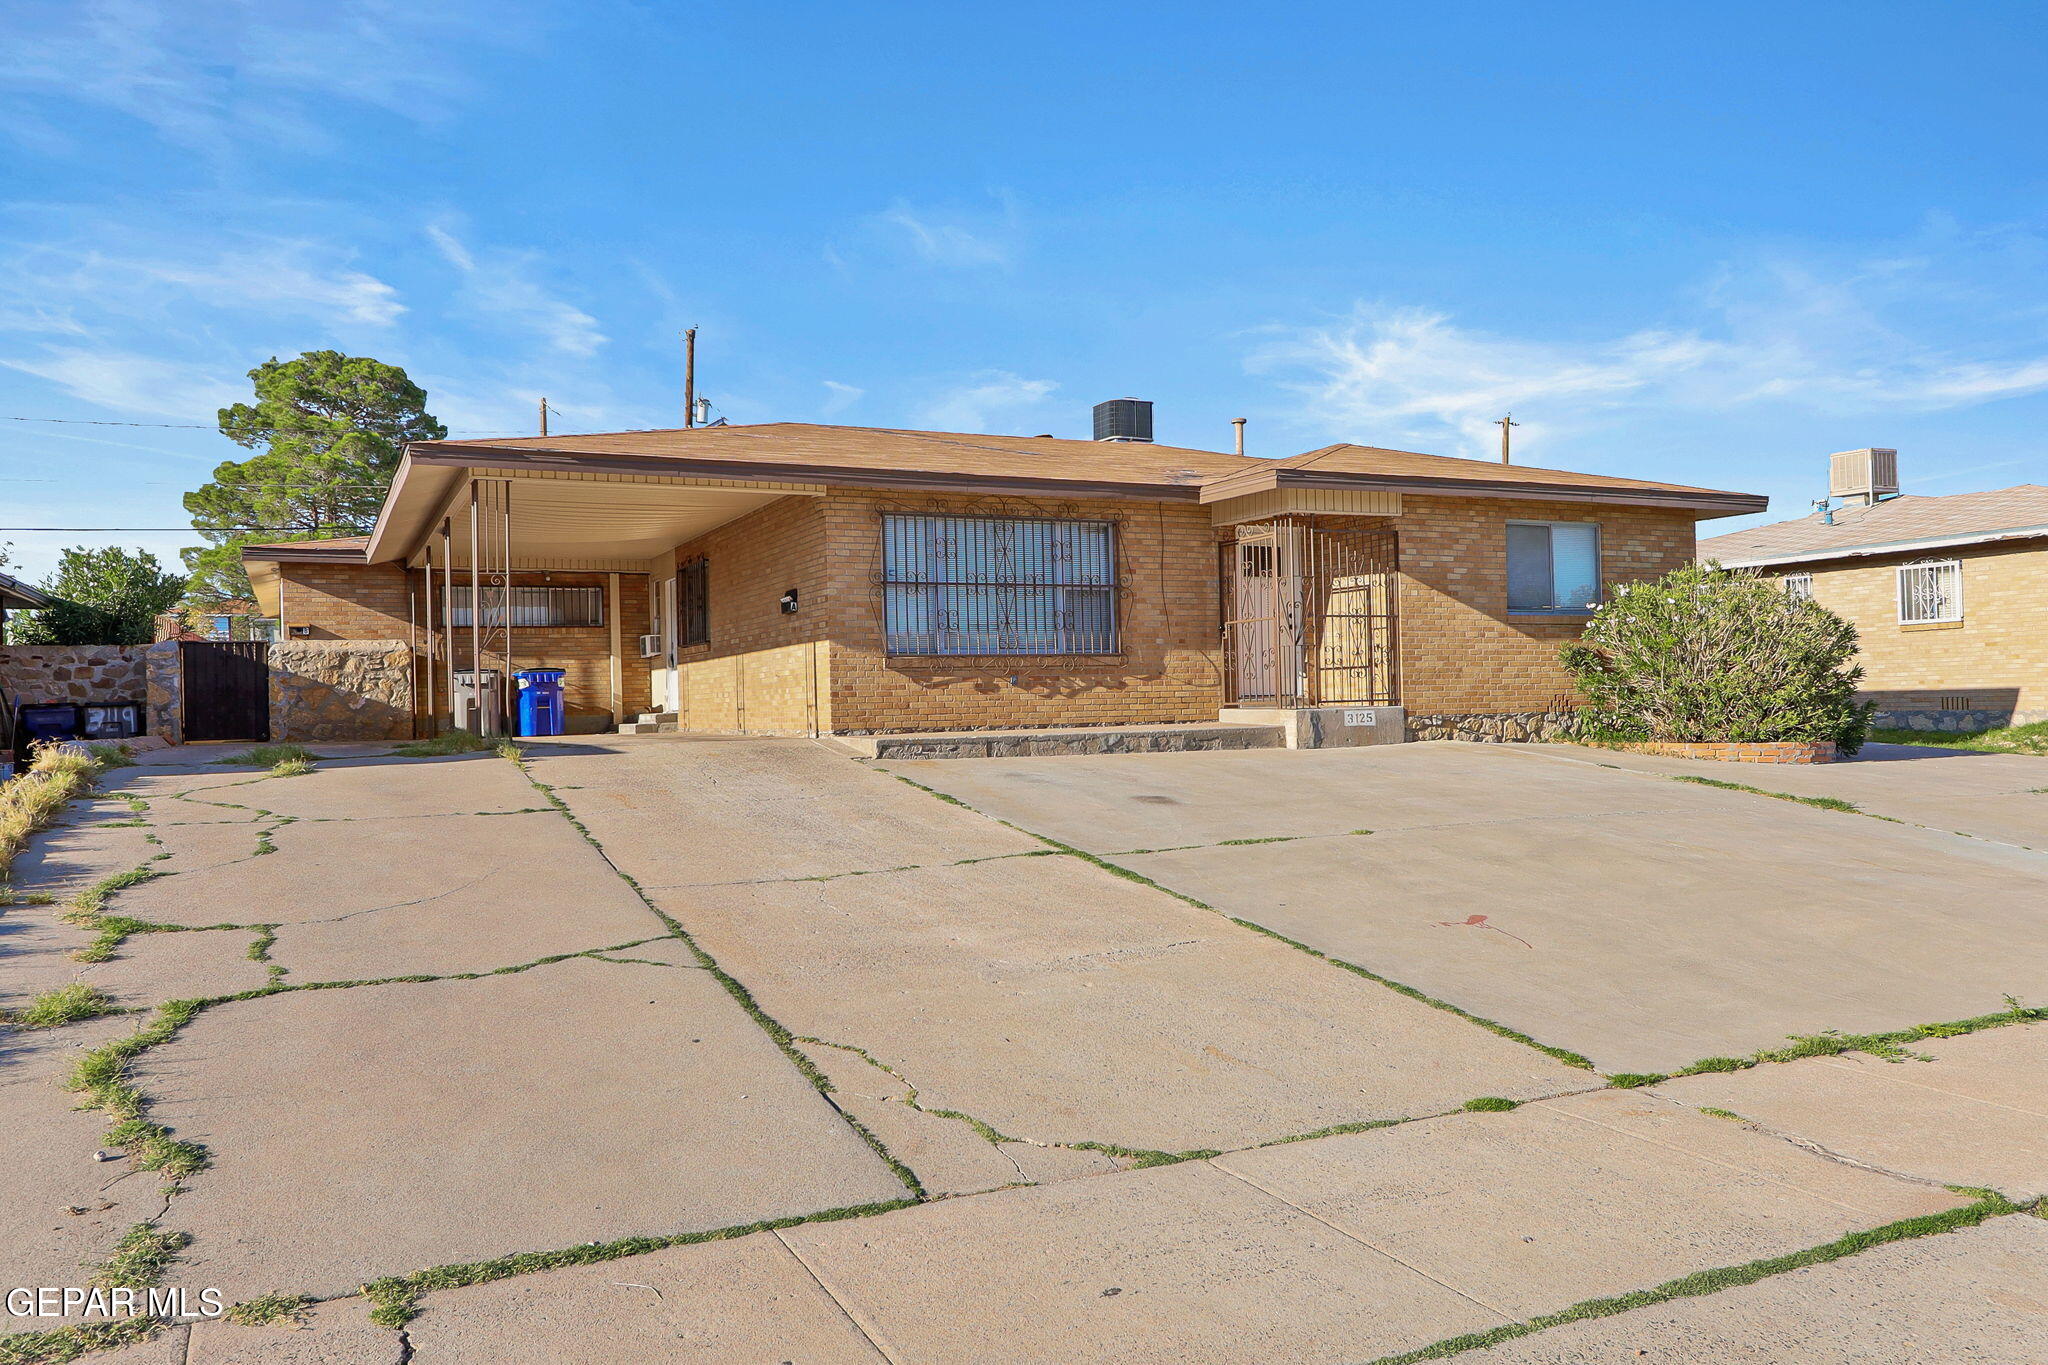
1930	592
1553	566
538	606
998	585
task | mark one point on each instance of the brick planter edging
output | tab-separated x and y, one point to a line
1788	751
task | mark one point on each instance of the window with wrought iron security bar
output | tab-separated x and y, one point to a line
1930	593
1798	587
538	606
998	585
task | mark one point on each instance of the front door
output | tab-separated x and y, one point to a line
671	688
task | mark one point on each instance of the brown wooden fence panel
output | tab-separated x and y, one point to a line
227	689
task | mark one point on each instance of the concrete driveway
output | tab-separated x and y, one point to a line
738	1050
1643	922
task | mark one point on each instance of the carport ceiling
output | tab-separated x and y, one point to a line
566	519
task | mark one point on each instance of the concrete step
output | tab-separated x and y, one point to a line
1090	739
650	727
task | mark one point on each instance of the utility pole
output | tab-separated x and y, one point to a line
690	377
543	416
1504	423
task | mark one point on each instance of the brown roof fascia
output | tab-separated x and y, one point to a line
284	554
1725	503
852	477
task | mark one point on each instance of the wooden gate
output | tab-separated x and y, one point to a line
227	689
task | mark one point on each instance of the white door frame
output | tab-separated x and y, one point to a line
672	688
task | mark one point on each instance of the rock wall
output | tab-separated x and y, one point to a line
1493	727
340	690
165	669
73	673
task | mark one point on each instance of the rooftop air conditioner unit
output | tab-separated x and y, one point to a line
650	645
1865	476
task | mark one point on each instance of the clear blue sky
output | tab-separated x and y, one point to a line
1708	243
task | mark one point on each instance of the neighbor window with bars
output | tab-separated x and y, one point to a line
1798	587
1930	592
998	585
536	607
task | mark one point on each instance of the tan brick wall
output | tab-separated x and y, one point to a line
1997	657
377	602
762	671
1169	671
1461	650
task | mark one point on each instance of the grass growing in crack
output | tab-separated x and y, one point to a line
90	900
140	1258
1569	1058
61	1345
1988	1205
1819	802
268	1310
272	756
292	767
395	1299
66	1004
101	1075
1890	1047
444	744
1711	1112
1492	1104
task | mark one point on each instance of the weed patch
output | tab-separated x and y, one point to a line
61	1345
30	803
2008	739
101	1075
1492	1104
268	1310
66	1004
272	756
444	744
1818	802
140	1258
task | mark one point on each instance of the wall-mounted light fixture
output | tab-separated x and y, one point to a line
789	603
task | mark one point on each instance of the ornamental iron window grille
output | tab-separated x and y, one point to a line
1930	592
998	585
536	606
1799	587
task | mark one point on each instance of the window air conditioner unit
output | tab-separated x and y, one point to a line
650	645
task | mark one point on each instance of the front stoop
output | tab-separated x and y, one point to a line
1094	739
654	723
1325	727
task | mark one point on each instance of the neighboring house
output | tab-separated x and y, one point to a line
16	595
228	620
787	578
1948	594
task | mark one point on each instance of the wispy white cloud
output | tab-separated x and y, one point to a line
989	400
215	76
1857	340
126	382
501	284
951	238
841	397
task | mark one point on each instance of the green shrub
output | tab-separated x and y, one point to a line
1704	654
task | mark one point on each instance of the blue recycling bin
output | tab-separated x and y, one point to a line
540	701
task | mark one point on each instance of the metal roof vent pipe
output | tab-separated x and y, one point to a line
1124	419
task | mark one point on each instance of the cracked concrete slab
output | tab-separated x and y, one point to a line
367	899
167	1347
1976	1115
46	1148
1971	1296
1059	1003
740	1302
949	1156
390	788
199	847
1184	1263
36	956
65	860
687	810
379	1129
1113	803
1991	796
335	1333
1577	1198
1647	942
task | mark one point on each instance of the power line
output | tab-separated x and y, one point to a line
189	530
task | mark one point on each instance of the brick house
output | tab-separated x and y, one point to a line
786	578
1949	595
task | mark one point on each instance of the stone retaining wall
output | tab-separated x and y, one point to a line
1954	722
72	673
1493	727
340	690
